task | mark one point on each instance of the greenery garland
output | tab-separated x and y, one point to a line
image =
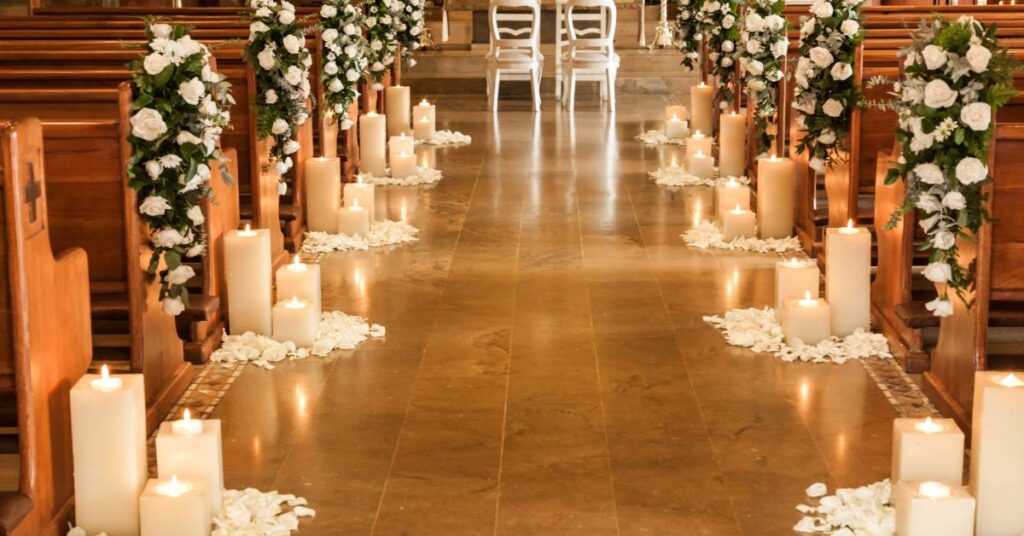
277	53
688	35
955	78
382	36
410	25
763	50
717	23
179	110
825	91
344	60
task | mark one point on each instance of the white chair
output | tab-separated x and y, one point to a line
591	52
562	38
515	51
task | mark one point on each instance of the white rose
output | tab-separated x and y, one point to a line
279	127
148	124
192	91
154	63
928	203
161	30
755	67
822	9
328	11
954	201
154	169
292	44
352	75
257	28
753	22
349	29
849	27
971	170
286	17
937	94
203	172
978	57
940	307
827	137
817	164
154	205
728	46
938	272
841	71
753	47
195	214
808	26
291	147
266	58
943	240
329	35
282	167
180	275
977	115
376	45
775	22
726	62
929	174
779	48
832	108
195	250
821	57
168	238
934	56
173	306
728	21
264	12
334	86
294	75
270	96
331	68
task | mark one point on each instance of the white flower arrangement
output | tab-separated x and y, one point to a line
717	22
380	25
277	52
688	35
955	77
825	92
180	109
410	25
344	60
763	34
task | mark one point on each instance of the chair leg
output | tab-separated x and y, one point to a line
490	85
604	90
535	84
572	90
611	88
496	84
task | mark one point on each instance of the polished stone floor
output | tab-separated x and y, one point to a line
546	368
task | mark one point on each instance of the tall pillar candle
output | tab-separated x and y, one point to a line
997	444
933	508
191	449
295	321
174	507
701	107
247	267
776	192
697	141
301	280
323	193
396	103
848	278
732	143
108	444
372	141
730	194
807	320
927	449
365	193
424	120
794	279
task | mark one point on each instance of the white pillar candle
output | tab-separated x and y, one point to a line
353	220
323	193
927	449
675	110
794	279
401	144
372	139
396	102
247	267
701	106
365	193
174	507
108	444
807	320
933	508
191	449
296	321
403	165
676	128
997	452
736	223
424	120
729	194
702	165
776	192
301	280
848	278
732	144
697	142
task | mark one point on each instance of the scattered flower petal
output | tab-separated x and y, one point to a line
706	235
382	233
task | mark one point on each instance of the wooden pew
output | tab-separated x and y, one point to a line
46	335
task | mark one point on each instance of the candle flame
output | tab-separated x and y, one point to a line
732	182
697	134
934	490
105	372
699	153
738	209
355	203
674	118
424	103
359	178
248	228
807	295
849	224
1011	380
774	158
928	426
295	260
793	261
403	154
187	416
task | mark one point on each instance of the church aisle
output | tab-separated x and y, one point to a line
546	368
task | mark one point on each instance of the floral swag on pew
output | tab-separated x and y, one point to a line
382	35
956	76
344	59
409	27
717	23
764	46
277	53
180	109
825	92
688	35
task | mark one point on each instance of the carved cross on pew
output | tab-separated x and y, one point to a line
33	192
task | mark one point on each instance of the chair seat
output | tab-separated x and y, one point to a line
595	59
514	56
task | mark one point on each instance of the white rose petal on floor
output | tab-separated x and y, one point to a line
678	176
706	235
382	233
251	511
759	330
423	176
864	510
338	331
447	138
658	137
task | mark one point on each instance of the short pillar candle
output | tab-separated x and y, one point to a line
301	280
701	107
323	193
732	144
932	508
997	444
795	279
675	110
848	278
365	193
776	193
702	165
191	449
676	128
396	102
403	165
729	194
247	267
807	320
296	321
424	119
737	223
697	141
353	220
174	507
108	444
372	139
927	449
